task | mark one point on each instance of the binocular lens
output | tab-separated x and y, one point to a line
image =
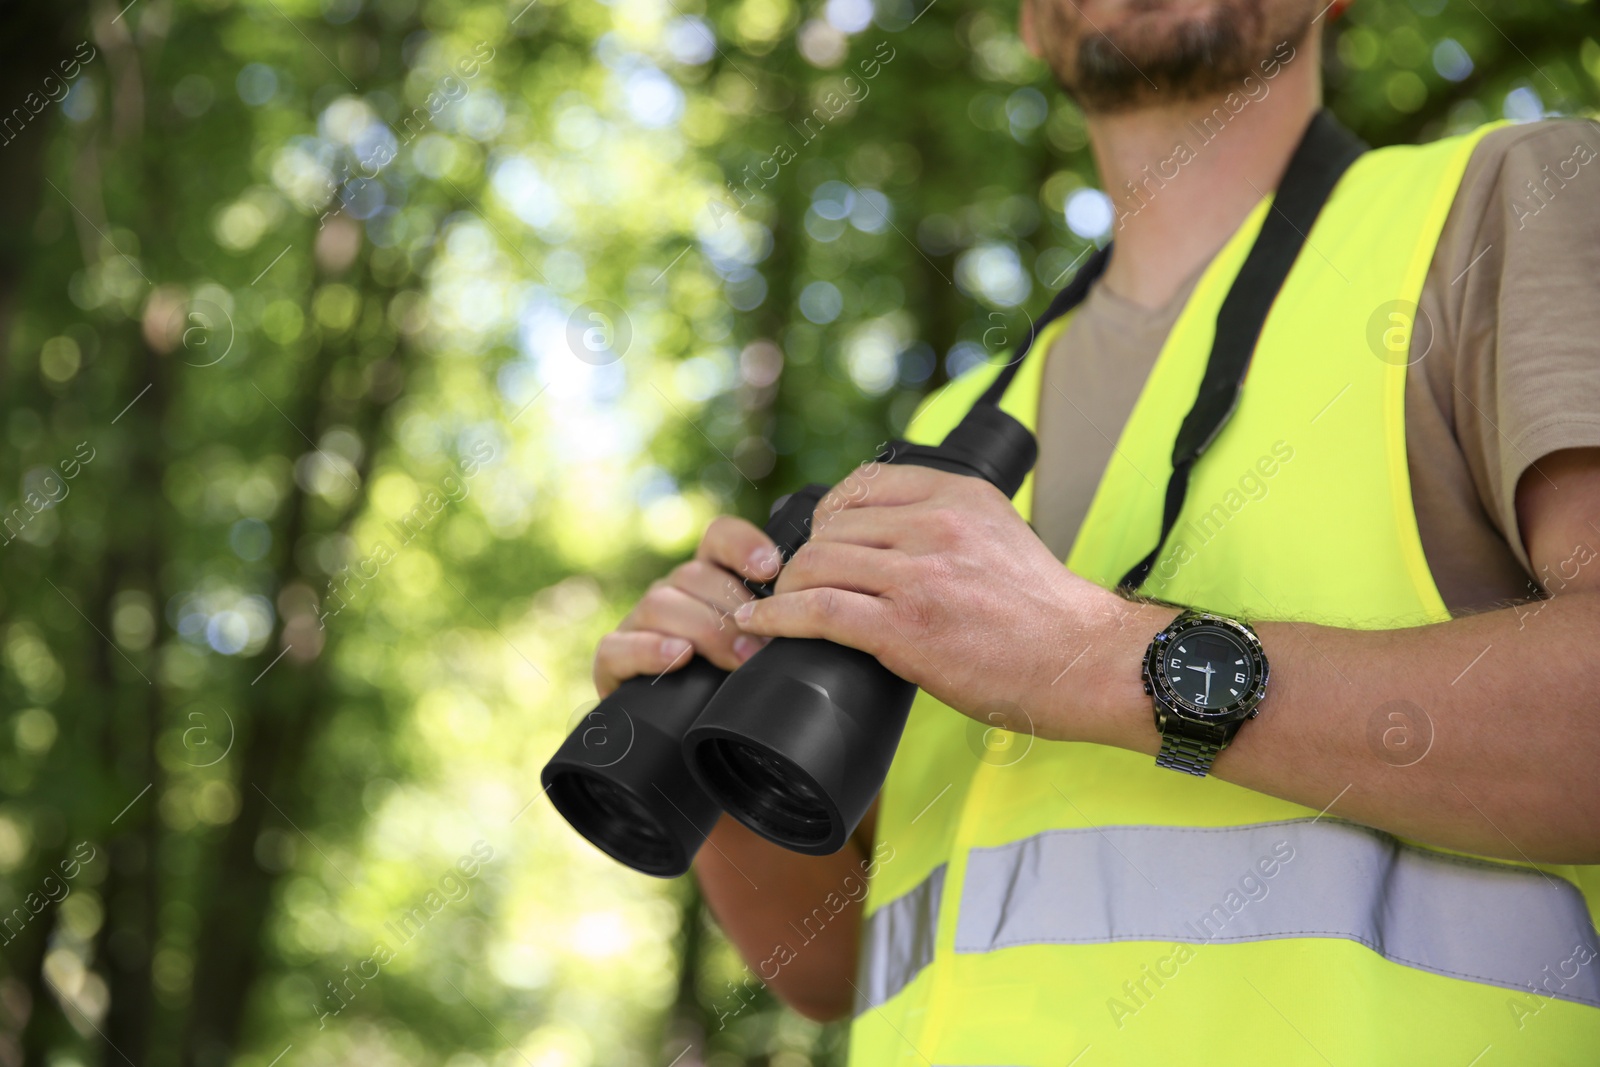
619	777
615	822
769	792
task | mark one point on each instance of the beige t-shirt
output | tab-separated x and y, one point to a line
1512	374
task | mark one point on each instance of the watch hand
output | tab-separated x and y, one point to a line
1202	670
1209	672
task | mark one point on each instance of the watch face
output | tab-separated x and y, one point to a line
1212	671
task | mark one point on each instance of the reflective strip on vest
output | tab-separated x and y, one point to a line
1448	914
897	942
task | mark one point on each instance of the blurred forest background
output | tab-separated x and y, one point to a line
364	360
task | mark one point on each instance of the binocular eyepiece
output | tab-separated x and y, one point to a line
795	744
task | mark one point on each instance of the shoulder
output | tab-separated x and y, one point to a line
1530	163
1529	141
1529	195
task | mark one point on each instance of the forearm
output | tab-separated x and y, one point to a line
1480	734
778	909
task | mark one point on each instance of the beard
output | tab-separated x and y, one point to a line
1145	60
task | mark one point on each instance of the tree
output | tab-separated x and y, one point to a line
364	361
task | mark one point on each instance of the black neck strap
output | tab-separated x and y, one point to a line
1325	152
1064	301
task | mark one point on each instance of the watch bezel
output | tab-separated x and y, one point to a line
1168	698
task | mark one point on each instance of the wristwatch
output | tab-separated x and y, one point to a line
1206	674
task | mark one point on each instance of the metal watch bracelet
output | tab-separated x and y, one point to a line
1187	753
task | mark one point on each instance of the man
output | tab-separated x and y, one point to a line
1394	860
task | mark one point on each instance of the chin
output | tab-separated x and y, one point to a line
1117	55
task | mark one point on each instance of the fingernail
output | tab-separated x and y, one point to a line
673	647
761	563
746	646
746	610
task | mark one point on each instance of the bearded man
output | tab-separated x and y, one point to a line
1261	726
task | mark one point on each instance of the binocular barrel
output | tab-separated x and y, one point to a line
619	777
797	742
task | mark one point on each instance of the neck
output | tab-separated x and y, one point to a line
1182	178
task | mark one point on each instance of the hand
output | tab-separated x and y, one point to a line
937	576
690	610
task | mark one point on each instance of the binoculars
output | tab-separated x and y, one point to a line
795	744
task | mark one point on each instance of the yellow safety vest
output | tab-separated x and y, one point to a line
1040	904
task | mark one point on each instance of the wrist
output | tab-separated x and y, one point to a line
1107	704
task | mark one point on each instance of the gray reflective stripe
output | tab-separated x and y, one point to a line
897	942
1466	918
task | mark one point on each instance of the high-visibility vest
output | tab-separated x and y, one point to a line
1040	904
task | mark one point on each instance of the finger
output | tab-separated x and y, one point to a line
885	527
718	587
739	546
886	485
847	618
666	609
844	566
624	654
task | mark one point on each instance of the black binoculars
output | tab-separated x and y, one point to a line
795	744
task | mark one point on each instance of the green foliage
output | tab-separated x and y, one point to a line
363	363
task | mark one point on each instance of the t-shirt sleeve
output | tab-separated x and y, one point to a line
1522	308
